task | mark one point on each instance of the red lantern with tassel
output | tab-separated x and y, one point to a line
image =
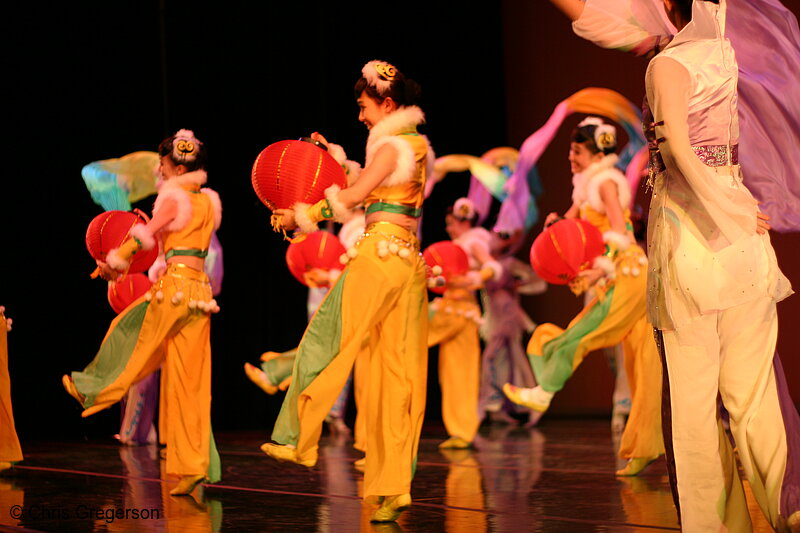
563	249
288	172
126	290
446	261
318	250
110	229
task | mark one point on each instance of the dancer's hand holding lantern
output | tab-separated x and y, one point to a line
290	175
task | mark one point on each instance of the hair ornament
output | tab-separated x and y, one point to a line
591	121
605	137
379	74
185	147
464	209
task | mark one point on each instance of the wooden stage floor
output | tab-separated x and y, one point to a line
558	478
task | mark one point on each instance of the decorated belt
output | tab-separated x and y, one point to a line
399	209
718	155
192	252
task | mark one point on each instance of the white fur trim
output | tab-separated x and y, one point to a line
116	262
340	211
216	203
337	152
477	236
605	264
384	133
302	219
406	162
195	177
353	171
620	239
141	233
497	269
464	209
586	185
183	205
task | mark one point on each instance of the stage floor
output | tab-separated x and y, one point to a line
558	478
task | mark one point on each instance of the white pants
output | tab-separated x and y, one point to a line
730	353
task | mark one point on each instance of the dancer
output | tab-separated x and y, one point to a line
454	327
380	296
171	323
10	451
618	311
714	279
504	359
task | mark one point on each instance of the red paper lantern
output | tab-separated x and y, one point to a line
110	229
448	256
320	249
560	252
126	290
288	172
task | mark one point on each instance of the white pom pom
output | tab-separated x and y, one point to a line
159	296
192	304
393	248
177	298
382	252
437	270
343	259
440	281
432	282
148	296
642	260
626	271
448	309
635	271
215	309
352	252
404	252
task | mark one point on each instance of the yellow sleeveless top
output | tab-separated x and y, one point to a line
195	236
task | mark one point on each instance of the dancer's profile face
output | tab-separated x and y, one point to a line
580	157
372	111
169	169
455	227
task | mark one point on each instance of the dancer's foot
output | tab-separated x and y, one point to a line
455	443
69	386
257	376
537	398
636	465
391	507
4	465
285	454
360	464
533	419
501	417
187	484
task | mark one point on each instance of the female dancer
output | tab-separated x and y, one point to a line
380	296
617	313
169	325
10	451
454	327
714	279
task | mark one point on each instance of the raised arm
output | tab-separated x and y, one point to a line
571	8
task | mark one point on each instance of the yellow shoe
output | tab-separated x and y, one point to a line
360	464
187	484
69	386
514	394
636	465
391	507
455	443
285	454
257	376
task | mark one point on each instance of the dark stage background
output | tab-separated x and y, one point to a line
97	80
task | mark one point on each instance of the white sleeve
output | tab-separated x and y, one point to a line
636	26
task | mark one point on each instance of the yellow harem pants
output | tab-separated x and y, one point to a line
172	334
731	353
454	328
10	450
380	302
619	316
